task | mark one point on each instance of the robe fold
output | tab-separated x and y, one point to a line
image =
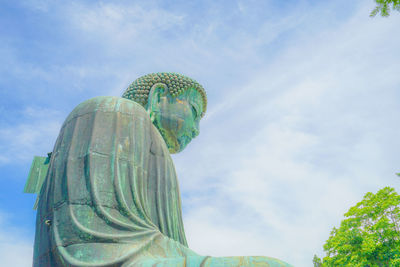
111	196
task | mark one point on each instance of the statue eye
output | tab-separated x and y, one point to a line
194	112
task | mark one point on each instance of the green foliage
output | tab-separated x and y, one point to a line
317	261
370	236
384	7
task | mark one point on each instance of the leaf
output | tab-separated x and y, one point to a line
369	234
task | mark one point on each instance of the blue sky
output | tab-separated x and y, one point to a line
302	117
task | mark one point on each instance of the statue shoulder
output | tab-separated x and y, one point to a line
108	104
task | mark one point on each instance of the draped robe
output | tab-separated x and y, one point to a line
111	196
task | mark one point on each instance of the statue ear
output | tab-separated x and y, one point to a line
153	102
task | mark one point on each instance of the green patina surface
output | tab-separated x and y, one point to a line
110	196
176	83
36	175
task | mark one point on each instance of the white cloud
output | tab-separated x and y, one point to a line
35	134
293	150
125	25
294	135
15	249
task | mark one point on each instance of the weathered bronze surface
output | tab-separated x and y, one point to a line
111	196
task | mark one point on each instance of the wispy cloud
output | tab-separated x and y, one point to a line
35	135
123	23
299	144
302	116
15	249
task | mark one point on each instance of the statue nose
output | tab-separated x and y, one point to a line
195	132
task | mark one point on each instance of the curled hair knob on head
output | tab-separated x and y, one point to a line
176	84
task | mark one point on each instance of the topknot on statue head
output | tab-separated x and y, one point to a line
174	83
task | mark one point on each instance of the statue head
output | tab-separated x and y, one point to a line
175	104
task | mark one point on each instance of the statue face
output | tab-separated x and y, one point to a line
177	118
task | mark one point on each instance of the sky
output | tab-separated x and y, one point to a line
302	118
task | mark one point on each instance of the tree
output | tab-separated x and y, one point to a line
317	261
384	7
370	235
